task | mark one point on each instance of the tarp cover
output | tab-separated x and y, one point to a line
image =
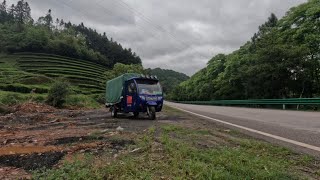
115	86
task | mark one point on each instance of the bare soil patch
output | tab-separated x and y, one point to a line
35	136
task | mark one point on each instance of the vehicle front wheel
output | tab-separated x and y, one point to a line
114	112
135	114
152	112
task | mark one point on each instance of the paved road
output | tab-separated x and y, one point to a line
303	127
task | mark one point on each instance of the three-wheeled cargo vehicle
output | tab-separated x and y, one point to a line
134	93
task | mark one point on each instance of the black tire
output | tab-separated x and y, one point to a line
152	112
114	112
135	114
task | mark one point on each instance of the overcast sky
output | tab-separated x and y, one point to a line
174	34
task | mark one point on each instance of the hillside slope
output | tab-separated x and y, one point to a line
282	60
23	72
169	79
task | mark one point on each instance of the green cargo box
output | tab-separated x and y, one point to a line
115	87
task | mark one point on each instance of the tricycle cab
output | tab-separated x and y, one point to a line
141	93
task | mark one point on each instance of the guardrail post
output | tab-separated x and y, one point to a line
283	106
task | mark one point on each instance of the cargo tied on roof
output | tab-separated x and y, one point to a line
115	87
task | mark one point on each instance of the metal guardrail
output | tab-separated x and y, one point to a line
283	102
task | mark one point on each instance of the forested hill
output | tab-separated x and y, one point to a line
20	33
169	79
281	60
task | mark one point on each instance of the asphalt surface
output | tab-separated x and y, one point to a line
299	126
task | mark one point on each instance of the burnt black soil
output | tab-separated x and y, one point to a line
119	144
33	161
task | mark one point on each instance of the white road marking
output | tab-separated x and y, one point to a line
308	146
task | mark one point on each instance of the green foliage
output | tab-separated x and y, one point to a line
26	71
15	87
58	93
82	101
74	170
11	98
172	153
282	60
120	69
19	33
169	79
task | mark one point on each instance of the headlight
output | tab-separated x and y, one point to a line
142	98
160	98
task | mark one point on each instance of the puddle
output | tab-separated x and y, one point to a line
25	149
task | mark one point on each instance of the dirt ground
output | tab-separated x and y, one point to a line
37	136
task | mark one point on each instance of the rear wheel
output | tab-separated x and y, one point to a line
114	111
135	114
152	112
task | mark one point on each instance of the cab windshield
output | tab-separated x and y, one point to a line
149	87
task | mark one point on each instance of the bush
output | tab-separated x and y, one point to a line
40	79
11	99
82	101
20	88
100	98
58	93
4	109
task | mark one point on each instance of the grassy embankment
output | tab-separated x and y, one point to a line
23	72
178	152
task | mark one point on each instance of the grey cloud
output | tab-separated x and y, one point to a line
177	34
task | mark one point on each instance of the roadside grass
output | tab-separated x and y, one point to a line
171	152
82	101
74	100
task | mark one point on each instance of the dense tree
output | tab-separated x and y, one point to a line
169	79
3	7
19	33
46	20
120	69
4	13
22	13
282	60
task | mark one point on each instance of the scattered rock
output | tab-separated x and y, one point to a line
135	150
119	128
104	131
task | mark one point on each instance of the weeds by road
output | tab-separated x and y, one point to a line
89	144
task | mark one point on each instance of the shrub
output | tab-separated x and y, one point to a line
100	98
58	93
82	101
11	99
40	79
3	109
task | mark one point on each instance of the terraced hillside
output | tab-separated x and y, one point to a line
26	71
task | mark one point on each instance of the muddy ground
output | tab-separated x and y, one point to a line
35	136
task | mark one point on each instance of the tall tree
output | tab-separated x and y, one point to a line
22	13
3	7
46	20
3	11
